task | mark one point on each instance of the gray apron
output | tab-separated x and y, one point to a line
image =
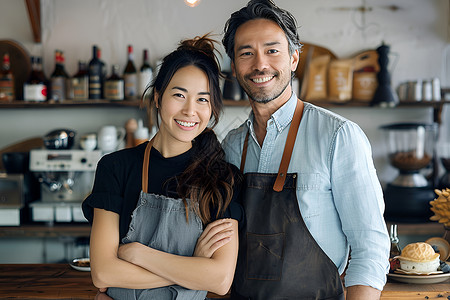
160	223
278	257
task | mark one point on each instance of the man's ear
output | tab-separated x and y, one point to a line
295	58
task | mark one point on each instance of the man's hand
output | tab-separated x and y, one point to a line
215	235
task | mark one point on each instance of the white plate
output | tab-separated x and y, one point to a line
420	279
405	272
74	265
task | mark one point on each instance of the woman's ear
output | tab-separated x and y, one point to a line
155	99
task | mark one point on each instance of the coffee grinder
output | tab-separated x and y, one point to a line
411	149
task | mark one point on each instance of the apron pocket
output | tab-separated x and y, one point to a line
265	256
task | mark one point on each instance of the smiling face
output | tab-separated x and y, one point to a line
262	63
185	110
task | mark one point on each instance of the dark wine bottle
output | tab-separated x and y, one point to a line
58	78
104	71
35	88
130	77
114	85
95	76
79	87
6	80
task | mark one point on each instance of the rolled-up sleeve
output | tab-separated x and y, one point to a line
359	201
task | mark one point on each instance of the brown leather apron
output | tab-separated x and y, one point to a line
278	257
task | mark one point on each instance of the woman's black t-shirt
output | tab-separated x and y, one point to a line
118	183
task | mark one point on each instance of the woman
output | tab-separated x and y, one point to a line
150	204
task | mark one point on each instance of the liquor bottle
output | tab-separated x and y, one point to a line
58	78
130	77
95	76
395	248
114	85
145	74
103	72
35	88
79	86
6	80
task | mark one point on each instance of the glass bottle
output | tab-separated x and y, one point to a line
35	88
145	73
130	77
80	83
6	80
95	76
103	72
395	248
58	78
114	85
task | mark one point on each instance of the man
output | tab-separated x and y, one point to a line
312	195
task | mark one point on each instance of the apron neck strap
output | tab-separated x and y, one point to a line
145	165
288	147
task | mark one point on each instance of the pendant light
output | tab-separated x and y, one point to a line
192	3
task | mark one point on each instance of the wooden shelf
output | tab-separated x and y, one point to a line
69	103
40	231
437	106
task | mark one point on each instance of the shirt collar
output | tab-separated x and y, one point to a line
282	117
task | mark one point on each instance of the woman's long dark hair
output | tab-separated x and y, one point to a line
208	180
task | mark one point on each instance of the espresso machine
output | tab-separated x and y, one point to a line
66	178
411	148
444	180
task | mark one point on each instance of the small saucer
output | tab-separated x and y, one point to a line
442	245
81	264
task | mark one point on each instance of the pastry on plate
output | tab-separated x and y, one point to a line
419	257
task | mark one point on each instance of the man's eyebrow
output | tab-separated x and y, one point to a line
244	47
250	47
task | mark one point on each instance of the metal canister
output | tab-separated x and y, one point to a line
402	91
427	90
436	86
415	90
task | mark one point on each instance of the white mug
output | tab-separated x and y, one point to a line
88	142
110	137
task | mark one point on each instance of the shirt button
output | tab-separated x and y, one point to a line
270	123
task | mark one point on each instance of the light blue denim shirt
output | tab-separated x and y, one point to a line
338	192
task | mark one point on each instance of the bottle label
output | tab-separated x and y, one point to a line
7	88
114	89
95	82
58	88
130	86
145	78
80	89
35	92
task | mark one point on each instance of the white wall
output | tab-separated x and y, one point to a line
417	32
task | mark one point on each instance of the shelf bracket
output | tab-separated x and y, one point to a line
34	13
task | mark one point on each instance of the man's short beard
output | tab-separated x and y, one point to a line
267	100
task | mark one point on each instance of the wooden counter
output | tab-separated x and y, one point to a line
60	281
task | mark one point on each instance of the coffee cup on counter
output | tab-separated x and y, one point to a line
110	137
88	142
